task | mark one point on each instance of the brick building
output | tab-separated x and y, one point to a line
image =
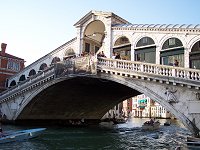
9	65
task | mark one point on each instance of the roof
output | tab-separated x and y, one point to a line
98	13
11	56
161	26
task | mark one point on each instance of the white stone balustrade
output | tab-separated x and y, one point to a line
147	68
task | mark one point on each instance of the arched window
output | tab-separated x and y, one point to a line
22	78
13	83
145	50
195	56
43	66
123	47
172	50
172	43
32	72
94	36
145	41
121	41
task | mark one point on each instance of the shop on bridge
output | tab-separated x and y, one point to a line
123	47
172	50
145	50
195	56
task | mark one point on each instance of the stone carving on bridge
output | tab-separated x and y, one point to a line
170	95
79	65
22	99
198	96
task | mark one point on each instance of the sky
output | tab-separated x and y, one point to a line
33	28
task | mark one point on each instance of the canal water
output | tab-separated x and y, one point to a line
127	136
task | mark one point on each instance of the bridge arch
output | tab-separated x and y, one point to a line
93	36
129	89
158	96
121	94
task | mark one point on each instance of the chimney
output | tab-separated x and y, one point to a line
3	49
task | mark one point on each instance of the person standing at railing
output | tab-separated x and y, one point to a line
101	54
176	63
114	55
117	56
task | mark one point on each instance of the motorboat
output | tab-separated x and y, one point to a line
13	136
119	120
167	123
193	141
151	125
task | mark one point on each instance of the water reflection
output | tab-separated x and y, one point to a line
121	136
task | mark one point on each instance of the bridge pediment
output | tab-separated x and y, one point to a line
92	15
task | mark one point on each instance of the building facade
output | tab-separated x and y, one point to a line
115	112
9	65
144	107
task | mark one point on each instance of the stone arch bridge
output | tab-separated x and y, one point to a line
86	87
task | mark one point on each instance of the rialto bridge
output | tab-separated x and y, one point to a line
70	82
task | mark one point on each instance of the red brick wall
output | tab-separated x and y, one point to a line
5	72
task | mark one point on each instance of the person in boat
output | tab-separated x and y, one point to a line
1	131
151	121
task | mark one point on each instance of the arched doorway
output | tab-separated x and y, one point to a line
195	56
123	47
145	50
93	37
172	50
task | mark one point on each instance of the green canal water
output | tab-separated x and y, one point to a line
128	136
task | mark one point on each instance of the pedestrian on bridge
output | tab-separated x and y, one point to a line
176	63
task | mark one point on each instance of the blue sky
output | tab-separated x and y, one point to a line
33	28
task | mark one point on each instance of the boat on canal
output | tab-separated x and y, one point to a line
13	136
148	125
119	120
193	141
167	123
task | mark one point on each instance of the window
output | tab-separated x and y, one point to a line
124	40
144	40
96	48
13	65
87	47
172	41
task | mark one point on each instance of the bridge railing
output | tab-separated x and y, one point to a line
148	68
79	65
28	82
